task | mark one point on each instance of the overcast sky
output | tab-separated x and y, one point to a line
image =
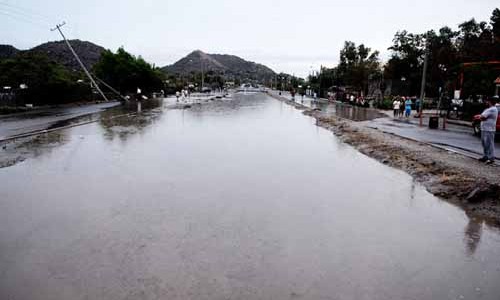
286	35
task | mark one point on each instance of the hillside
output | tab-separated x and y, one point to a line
58	51
8	51
232	67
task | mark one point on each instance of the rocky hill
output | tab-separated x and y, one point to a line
232	67
58	52
8	51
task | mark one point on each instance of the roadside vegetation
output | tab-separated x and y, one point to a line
47	82
126	72
457	59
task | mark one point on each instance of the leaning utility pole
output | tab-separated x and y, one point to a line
202	75
422	87
58	28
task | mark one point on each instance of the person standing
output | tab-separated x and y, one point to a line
417	107
408	107
488	130
395	106
402	106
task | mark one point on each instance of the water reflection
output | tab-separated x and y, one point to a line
226	107
16	151
350	112
472	232
120	121
122	124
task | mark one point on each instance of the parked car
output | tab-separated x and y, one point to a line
476	124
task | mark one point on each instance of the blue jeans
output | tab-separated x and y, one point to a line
488	141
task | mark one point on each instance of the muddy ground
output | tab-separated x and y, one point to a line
458	179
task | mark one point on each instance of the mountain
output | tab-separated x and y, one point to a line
231	66
58	51
8	51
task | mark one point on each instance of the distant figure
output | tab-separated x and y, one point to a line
395	107
488	128
352	99
407	107
402	106
177	95
139	98
417	107
139	94
293	95
362	101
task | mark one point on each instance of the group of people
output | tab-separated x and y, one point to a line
402	106
184	94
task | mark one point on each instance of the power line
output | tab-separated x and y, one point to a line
23	15
23	19
26	11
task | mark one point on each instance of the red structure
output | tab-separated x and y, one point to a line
494	63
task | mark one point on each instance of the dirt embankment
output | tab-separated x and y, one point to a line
456	178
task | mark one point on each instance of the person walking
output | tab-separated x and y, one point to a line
488	130
417	107
401	106
408	107
395	107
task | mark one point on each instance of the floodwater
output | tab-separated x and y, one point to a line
11	125
241	199
350	112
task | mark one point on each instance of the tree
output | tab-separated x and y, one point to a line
357	65
495	24
443	61
48	82
405	65
126	72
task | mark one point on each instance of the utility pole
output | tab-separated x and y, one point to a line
202	76
422	87
58	28
319	81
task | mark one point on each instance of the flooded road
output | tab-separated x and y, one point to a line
42	119
241	199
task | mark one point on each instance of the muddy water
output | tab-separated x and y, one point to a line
241	199
351	112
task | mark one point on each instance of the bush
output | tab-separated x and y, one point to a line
384	104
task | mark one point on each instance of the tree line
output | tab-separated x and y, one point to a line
466	58
49	82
